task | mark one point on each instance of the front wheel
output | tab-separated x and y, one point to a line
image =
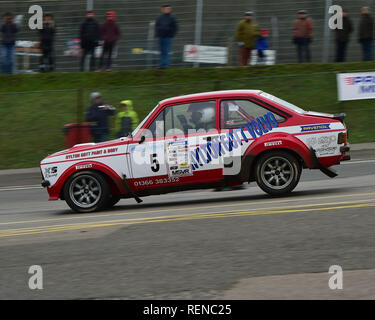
86	191
278	172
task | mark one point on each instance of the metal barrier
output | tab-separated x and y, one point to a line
201	22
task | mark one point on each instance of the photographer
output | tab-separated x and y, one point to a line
98	114
47	38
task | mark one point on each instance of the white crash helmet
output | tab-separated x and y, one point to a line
208	114
232	107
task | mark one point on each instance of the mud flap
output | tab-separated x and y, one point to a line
128	188
317	165
246	166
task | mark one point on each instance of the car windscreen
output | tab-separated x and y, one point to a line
144	121
282	102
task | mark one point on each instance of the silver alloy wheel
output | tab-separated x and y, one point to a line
277	172
85	191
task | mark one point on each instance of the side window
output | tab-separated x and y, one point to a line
235	113
178	119
157	126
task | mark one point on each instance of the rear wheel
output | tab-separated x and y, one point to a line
278	172
86	191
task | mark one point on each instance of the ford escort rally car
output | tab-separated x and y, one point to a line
205	140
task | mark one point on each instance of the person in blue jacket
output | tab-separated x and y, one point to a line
9	30
97	115
262	44
165	29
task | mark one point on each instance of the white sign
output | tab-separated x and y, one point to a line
356	86
268	59
205	54
28	48
74	49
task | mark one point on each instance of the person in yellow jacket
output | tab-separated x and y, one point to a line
246	37
126	119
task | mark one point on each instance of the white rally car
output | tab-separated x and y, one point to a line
205	140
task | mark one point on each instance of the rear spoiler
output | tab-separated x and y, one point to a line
340	116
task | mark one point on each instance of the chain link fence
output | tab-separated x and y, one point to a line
214	24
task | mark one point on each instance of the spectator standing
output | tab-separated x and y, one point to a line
246	37
97	115
89	34
262	45
126	119
165	29
343	37
302	36
366	31
47	38
8	30
109	34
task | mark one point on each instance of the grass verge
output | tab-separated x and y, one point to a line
31	121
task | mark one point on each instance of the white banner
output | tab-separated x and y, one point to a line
268	59
74	49
205	54
28	48
356	86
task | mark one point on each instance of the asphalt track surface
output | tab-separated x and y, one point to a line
197	245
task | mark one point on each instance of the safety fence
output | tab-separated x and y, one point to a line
31	122
201	22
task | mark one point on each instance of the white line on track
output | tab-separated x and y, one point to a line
15	188
160	210
254	211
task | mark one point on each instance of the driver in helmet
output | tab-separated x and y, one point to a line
202	115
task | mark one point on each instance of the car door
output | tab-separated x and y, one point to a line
237	115
147	156
174	150
189	130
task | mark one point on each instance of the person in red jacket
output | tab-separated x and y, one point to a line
302	36
109	33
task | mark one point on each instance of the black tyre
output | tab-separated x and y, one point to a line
278	172
86	191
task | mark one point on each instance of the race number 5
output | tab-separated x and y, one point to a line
155	166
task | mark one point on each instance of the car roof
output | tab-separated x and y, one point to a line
209	95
